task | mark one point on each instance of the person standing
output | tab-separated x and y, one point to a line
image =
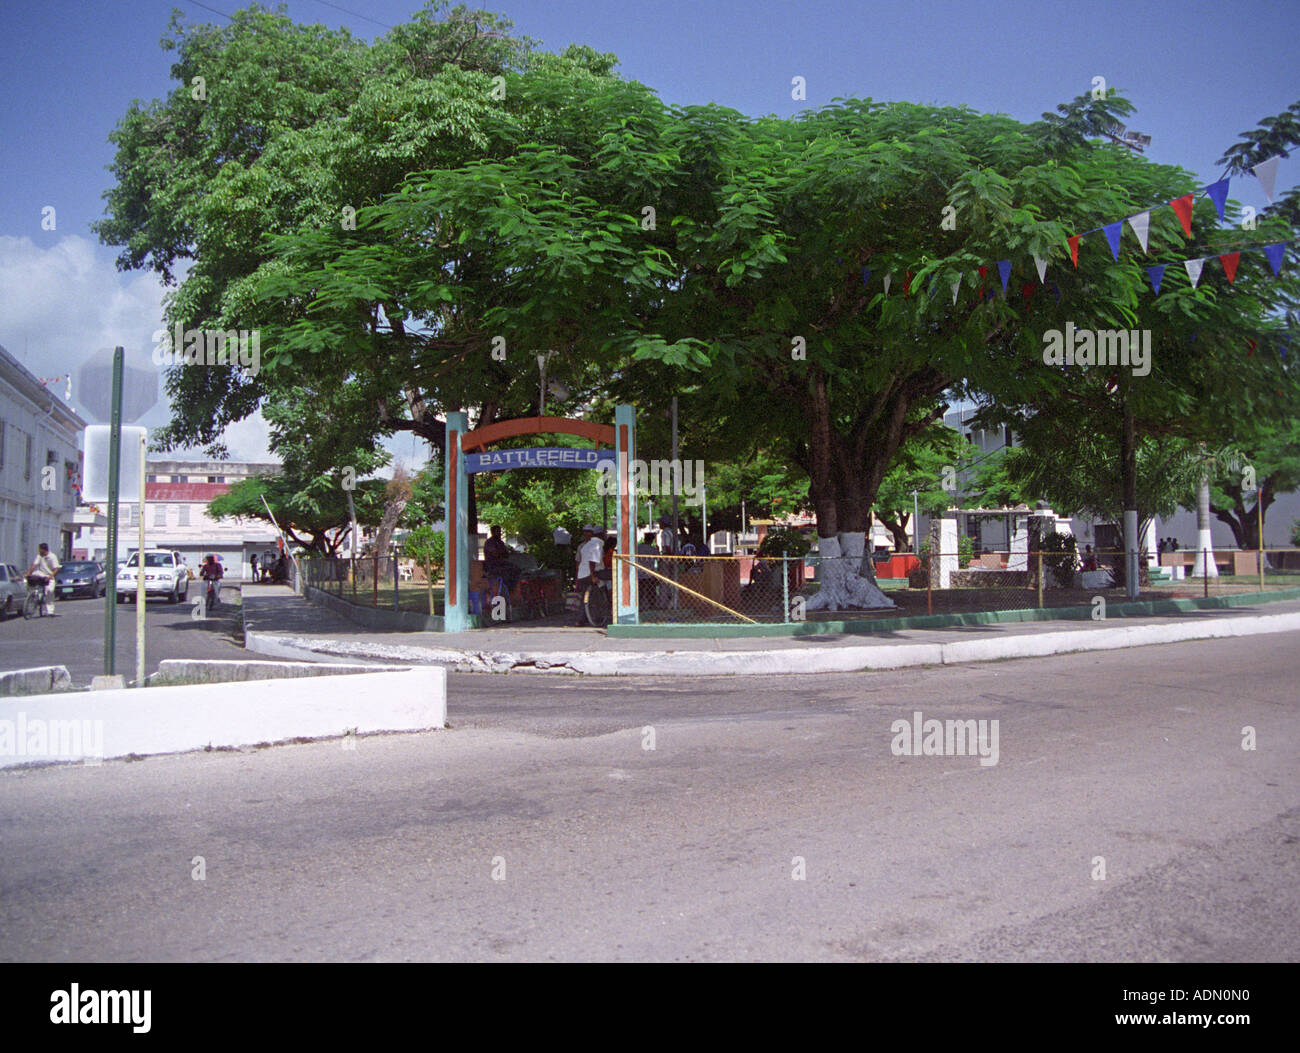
46	566
252	560
591	554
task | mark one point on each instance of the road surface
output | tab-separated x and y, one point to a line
1123	821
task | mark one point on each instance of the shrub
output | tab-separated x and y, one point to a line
784	541
1060	557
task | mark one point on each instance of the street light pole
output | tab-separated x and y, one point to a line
916	526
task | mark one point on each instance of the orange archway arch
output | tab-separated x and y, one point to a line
508	429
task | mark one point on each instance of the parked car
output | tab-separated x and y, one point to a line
13	590
81	578
165	574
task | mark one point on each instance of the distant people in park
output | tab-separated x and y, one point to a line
1173	544
667	539
647	586
497	562
607	559
279	570
252	562
1089	558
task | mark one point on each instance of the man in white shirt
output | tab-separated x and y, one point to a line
46	565
591	555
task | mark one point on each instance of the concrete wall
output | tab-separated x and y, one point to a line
104	724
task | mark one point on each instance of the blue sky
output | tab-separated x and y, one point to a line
1199	72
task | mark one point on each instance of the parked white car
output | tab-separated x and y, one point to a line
13	590
165	574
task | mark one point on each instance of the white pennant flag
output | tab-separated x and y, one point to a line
1141	224
956	288
1266	173
888	278
1194	268
1041	264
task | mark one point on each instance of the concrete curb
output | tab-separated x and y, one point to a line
39	680
95	725
839	659
226	671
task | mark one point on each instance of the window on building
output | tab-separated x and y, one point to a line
151	478
51	457
216	478
160	515
184	519
27	462
2	444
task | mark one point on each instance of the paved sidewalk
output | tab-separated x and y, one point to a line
281	624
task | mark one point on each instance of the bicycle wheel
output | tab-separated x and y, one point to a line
31	606
595	605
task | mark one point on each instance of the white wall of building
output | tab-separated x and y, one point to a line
37	429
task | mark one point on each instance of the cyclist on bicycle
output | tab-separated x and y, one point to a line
591	556
44	566
212	573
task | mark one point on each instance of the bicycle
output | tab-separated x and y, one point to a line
210	602
595	603
34	604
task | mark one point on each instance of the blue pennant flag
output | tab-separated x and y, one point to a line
1004	269
1156	274
1056	291
1286	346
1275	254
866	275
1218	194
1112	235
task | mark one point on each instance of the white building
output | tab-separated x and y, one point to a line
988	528
176	499
40	466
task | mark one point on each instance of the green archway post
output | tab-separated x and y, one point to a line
622	436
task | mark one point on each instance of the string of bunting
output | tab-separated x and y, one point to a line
1265	172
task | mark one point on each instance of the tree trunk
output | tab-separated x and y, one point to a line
1205	565
843	586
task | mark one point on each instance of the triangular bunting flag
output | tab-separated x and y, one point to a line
907	285
1218	193
1230	261
1266	173
934	280
1141	224
1041	264
1156	274
889	280
1183	206
1194	268
1113	231
1027	291
1056	291
956	288
1286	346
1004	269
1275	254
1074	249
866	275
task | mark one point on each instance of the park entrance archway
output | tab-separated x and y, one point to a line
466	455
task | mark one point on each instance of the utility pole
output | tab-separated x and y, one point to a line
114	473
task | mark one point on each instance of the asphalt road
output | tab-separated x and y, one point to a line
539	827
76	637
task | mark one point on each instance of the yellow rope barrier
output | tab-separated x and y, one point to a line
678	584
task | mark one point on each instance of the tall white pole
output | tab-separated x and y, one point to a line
139	581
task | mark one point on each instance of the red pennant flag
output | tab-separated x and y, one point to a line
1027	291
907	285
1074	250
983	271
1230	261
1251	344
1183	206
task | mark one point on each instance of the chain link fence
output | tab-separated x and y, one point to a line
752	589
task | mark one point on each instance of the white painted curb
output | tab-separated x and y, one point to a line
72	726
834	658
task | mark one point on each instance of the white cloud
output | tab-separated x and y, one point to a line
61	303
